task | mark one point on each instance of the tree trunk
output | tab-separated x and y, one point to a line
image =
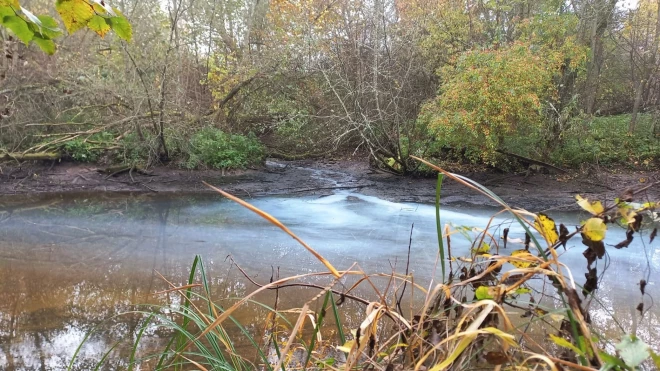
646	74
600	11
639	90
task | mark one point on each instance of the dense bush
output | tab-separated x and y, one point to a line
214	148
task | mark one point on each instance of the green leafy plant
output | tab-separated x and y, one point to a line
214	148
88	149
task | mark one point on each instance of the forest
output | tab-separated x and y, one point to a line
225	83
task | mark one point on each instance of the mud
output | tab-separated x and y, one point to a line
535	192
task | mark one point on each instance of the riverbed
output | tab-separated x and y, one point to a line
68	262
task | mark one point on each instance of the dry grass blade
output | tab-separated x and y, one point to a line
202	368
224	315
301	320
466	337
367	331
292	337
273	220
179	288
543	358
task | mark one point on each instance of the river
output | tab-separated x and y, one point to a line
71	261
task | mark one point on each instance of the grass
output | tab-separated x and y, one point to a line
464	320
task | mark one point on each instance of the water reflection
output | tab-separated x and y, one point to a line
70	263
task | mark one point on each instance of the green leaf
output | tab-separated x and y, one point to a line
655	358
482	293
121	27
47	45
99	25
19	27
611	360
74	13
633	351
49	26
565	344
5	11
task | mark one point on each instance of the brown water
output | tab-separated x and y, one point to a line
71	262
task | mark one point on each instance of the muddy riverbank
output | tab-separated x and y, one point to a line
535	192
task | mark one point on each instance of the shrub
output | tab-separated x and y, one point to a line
214	148
88	149
133	150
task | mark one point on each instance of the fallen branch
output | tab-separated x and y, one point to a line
30	156
302	156
532	161
116	170
299	190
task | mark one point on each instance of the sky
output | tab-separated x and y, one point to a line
628	4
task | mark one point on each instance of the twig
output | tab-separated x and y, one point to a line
405	283
309	285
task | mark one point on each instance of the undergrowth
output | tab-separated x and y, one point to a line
207	147
491	309
598	140
211	147
605	141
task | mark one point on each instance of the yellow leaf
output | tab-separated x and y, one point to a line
565	344
484	249
12	3
557	317
627	213
594	229
510	339
522	254
540	312
75	13
346	348
648	206
594	208
546	226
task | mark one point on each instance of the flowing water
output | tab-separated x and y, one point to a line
71	262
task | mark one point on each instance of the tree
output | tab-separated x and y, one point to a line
489	95
595	18
492	94
641	38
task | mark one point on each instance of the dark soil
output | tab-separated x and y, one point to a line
536	192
